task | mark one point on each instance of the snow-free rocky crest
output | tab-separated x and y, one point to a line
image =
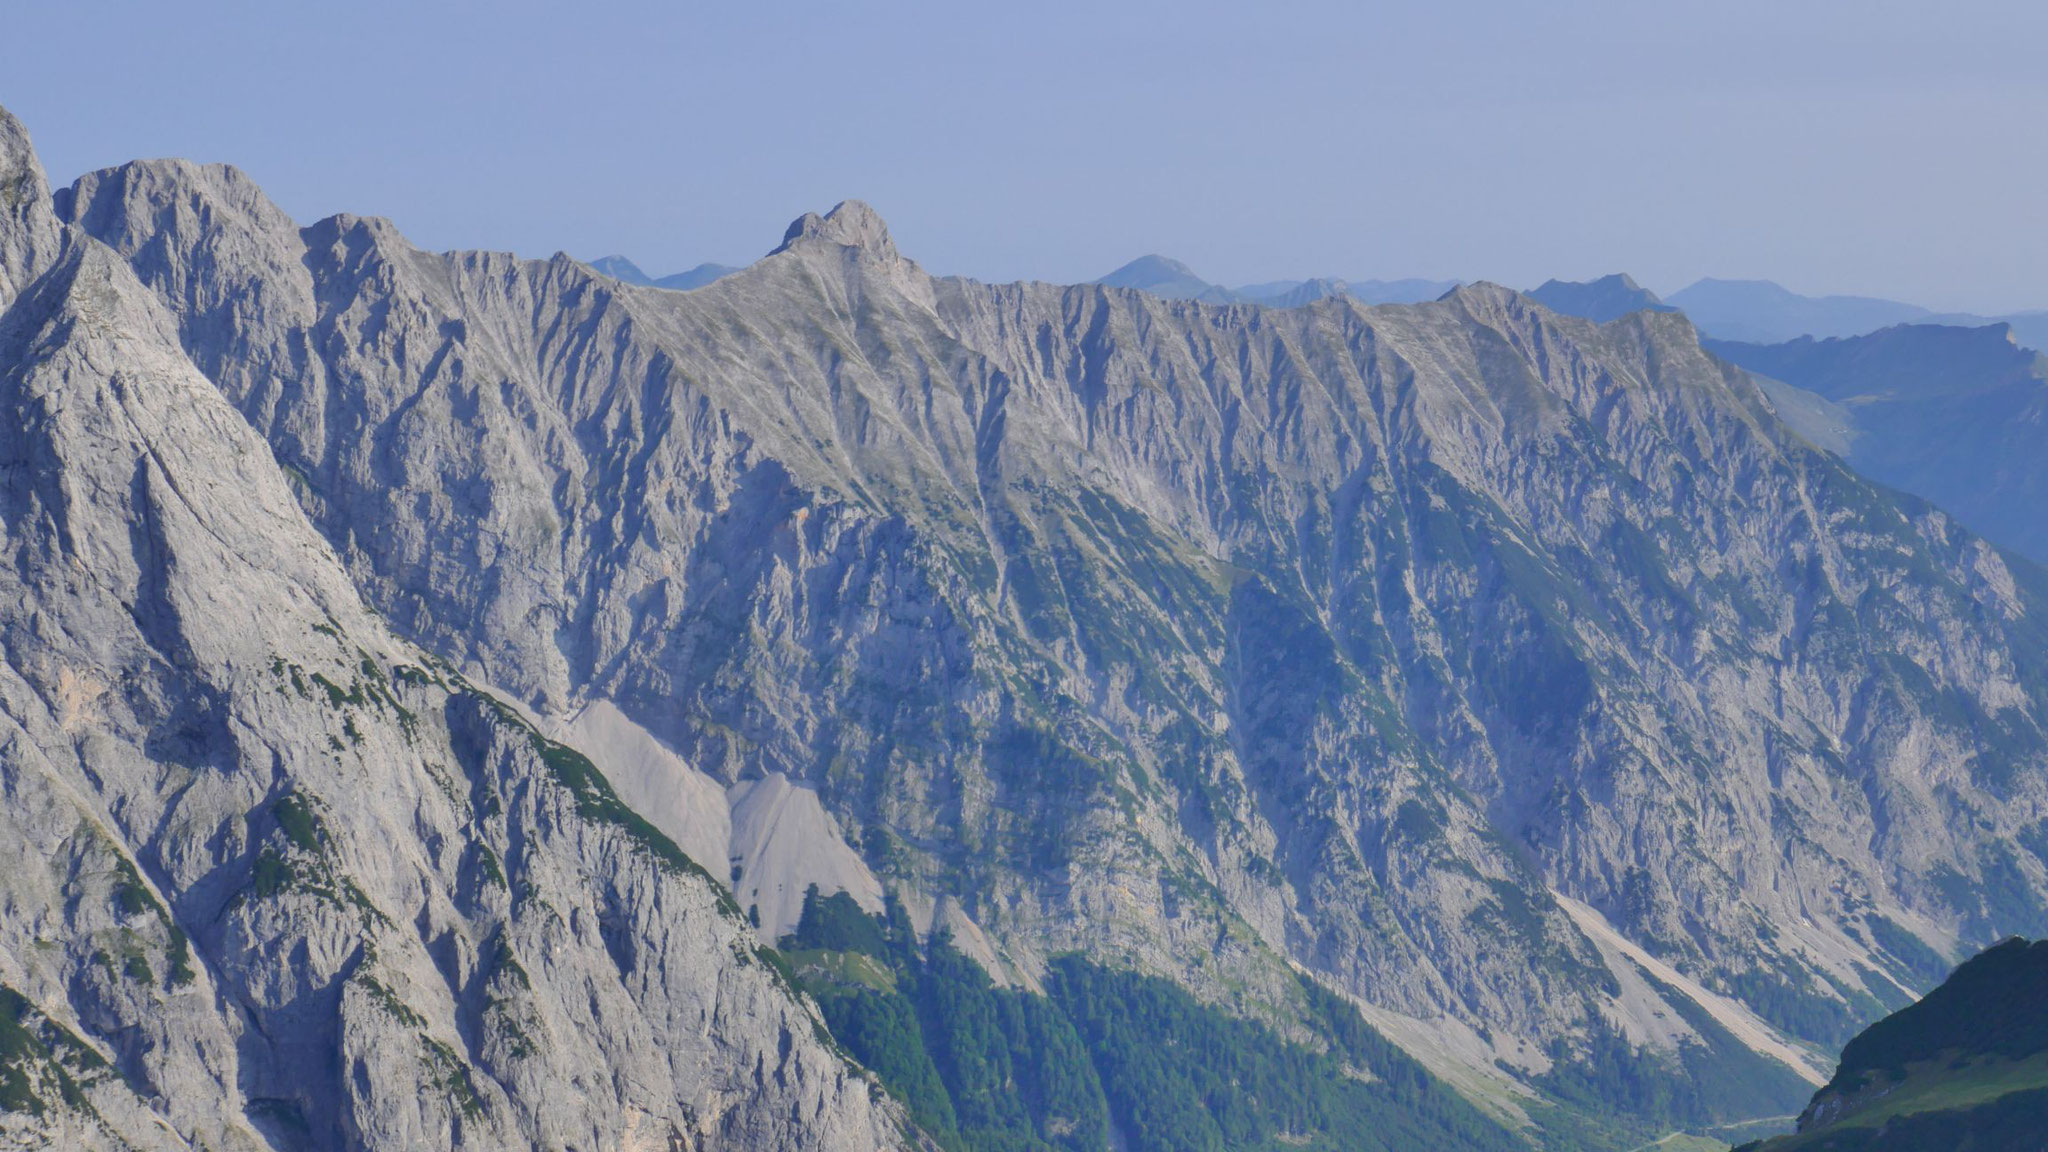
281	879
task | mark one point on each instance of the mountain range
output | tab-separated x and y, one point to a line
465	671
1174	280
1760	312
620	268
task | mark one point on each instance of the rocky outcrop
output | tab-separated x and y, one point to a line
281	879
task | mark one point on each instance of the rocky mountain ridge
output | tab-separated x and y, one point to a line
283	879
1963	1069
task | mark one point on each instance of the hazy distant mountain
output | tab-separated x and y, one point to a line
1761	312
620	268
1608	298
1162	276
1958	416
696	277
1407	291
1292	293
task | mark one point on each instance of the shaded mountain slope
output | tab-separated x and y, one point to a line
1964	1069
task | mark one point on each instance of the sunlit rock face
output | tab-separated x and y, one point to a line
280	878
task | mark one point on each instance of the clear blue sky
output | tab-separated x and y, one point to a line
1834	145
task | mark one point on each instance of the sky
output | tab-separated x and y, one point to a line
1852	146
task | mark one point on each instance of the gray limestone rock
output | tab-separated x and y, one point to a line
283	880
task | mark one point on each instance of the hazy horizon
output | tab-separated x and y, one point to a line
1840	148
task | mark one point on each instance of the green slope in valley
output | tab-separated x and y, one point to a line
1963	1070
984	1068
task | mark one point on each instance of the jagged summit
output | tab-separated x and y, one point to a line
850	224
291	873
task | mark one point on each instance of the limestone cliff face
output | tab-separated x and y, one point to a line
278	878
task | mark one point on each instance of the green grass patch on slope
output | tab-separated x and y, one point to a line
41	1061
984	1068
598	803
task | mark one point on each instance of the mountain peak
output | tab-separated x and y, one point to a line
1164	276
851	224
1150	268
29	235
1484	292
619	268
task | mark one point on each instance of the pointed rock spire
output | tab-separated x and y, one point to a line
29	233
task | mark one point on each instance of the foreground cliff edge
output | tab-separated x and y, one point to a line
1522	682
1963	1070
